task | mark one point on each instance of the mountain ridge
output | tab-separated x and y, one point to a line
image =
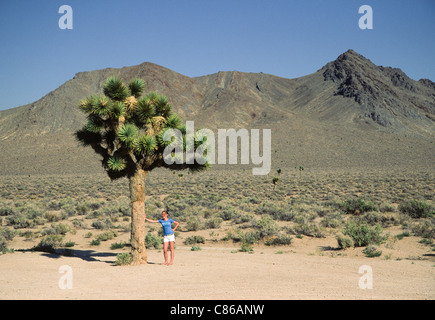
349	99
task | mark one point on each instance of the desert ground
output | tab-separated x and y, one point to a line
216	273
213	257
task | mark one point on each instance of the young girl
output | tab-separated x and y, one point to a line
168	235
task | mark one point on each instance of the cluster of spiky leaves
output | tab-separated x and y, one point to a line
127	129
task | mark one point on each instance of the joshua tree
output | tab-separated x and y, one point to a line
127	130
275	181
300	171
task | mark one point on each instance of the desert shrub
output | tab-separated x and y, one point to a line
281	239
356	206
417	209
253	200
82	209
3	245
227	213
24	215
372	251
7	233
194	240
284	215
7	210
374	217
79	224
124	206
19	221
123	259
213	223
248	239
95	204
246	247
193	224
234	236
266	226
363	234
243	217
31	210
267	207
117	245
52	216
49	243
152	241
102	224
308	229
385	207
331	221
54	205
56	229
424	228
277	212
95	242
70	244
107	235
175	205
400	236
69	210
344	242
304	217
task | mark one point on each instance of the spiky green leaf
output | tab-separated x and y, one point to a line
145	110
174	121
95	124
101	105
116	163
86	105
146	145
128	135
117	110
115	89
161	142
163	108
136	87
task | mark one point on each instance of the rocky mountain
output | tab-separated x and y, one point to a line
349	114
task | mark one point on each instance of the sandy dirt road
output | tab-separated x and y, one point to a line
213	273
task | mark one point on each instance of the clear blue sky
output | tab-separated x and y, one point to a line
197	37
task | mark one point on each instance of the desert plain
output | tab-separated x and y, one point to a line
214	256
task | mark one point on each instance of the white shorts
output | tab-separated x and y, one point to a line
169	238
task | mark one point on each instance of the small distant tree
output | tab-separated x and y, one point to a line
300	171
279	171
275	181
127	130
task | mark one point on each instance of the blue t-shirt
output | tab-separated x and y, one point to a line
167	226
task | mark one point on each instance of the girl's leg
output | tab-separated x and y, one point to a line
172	252
165	252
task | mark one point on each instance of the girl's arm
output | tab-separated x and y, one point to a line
153	221
176	225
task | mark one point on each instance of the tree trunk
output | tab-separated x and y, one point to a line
137	196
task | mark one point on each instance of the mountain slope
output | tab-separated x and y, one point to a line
349	114
386	95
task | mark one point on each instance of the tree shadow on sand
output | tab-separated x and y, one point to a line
86	255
